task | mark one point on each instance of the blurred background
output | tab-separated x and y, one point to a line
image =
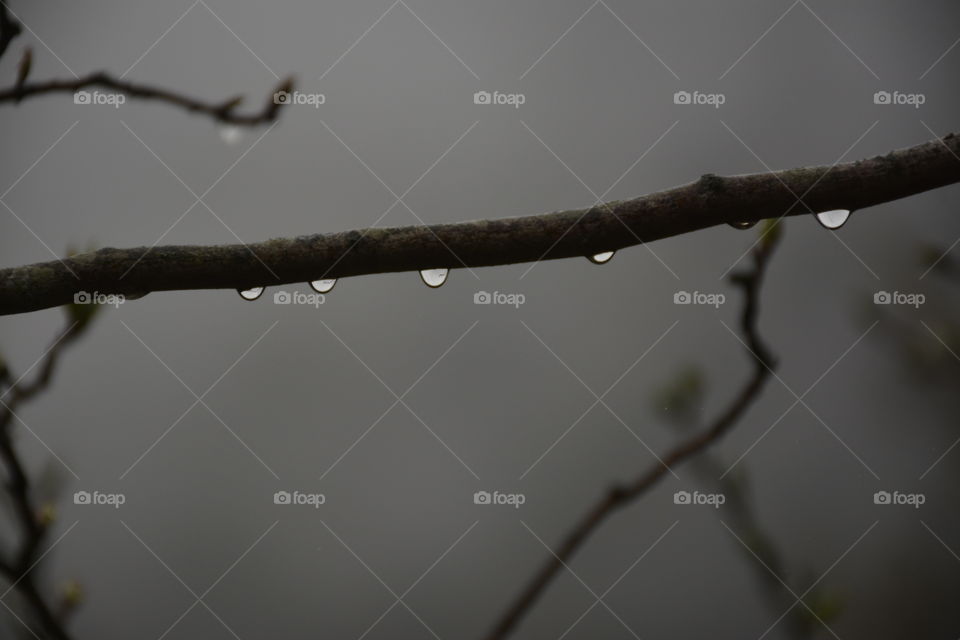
494	397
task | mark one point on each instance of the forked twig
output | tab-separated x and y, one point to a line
622	495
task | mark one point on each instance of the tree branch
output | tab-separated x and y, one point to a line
222	111
622	495
9	28
709	201
17	569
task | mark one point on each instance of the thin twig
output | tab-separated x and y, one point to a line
224	111
18	567
9	28
709	201
622	495
221	111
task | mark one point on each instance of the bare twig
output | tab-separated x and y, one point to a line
224	111
23	390
9	28
709	201
18	566
221	111
762	554
622	495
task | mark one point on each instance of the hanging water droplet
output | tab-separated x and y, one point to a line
601	258
742	225
231	134
833	219
323	286
434	277
251	294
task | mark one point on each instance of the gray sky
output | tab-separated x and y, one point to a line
306	399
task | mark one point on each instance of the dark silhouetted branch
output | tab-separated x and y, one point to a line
18	567
221	111
709	201
622	495
9	28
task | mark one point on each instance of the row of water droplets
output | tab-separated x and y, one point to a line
832	220
431	277
434	278
320	286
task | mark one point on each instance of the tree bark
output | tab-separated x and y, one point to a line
709	201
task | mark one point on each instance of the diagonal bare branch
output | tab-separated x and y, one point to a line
709	201
622	495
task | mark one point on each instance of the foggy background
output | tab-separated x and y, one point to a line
291	412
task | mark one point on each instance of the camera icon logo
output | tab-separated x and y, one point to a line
682	297
882	97
882	297
482	297
281	497
881	497
482	497
682	97
81	297
81	497
282	297
482	97
681	497
81	97
281	97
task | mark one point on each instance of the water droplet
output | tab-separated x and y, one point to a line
742	225
434	277
601	258
833	219
323	286
251	294
231	134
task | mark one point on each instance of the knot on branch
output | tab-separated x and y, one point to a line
712	184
